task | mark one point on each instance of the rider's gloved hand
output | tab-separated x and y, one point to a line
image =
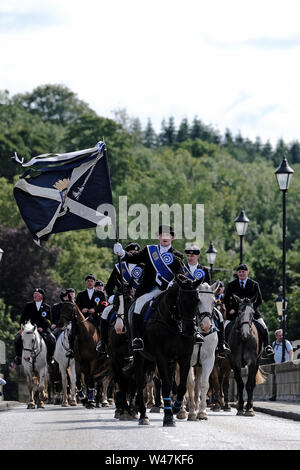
118	250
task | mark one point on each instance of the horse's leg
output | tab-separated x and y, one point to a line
43	375
157	395
207	366
226	370
105	384
215	387
182	386
166	385
240	389
73	401
31	403
192	415
139	376
64	382
250	384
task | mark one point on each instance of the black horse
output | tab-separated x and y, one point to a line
246	346
119	354
168	337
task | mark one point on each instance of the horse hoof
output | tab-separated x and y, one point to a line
216	408
73	403
41	405
181	414
64	405
30	406
240	413
105	404
155	409
226	408
144	421
90	405
202	417
249	413
169	423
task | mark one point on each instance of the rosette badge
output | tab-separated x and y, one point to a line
199	274
167	258
61	186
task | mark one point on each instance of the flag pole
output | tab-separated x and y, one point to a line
116	229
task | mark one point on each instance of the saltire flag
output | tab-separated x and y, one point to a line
61	192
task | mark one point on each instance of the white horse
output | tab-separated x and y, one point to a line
34	362
66	365
203	357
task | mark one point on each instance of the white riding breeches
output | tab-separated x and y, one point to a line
106	311
140	302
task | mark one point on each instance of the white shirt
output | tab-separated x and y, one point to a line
90	292
38	305
131	267
192	267
164	249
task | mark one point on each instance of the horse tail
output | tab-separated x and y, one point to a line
261	376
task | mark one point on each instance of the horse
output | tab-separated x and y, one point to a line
119	354
246	349
168	338
220	376
34	362
203	355
87	361
66	365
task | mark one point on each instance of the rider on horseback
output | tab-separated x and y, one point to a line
162	262
131	275
244	287
38	312
90	302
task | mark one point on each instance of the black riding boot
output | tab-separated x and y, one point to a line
223	349
70	353
136	327
102	345
265	338
18	349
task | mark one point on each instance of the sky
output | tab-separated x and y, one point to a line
233	64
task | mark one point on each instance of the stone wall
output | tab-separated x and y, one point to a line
282	380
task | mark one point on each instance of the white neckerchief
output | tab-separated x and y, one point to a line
131	267
164	249
192	267
38	304
90	292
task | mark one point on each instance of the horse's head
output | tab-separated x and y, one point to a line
187	302
66	313
29	337
245	315
206	305
122	302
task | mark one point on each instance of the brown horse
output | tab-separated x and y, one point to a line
220	376
88	362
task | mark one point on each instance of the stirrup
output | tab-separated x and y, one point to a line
269	350
100	348
137	344
198	338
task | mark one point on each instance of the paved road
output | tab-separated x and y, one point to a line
77	428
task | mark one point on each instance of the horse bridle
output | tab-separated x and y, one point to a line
33	350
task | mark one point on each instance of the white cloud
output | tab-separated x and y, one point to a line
233	64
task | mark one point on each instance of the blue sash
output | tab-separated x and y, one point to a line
135	274
198	273
125	271
160	262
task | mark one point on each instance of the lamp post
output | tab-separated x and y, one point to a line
284	175
241	225
211	254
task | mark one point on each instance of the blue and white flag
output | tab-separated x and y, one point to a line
61	192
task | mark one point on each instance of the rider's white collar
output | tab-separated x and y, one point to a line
163	249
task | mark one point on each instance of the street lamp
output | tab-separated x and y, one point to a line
211	254
1	254
241	225
284	175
